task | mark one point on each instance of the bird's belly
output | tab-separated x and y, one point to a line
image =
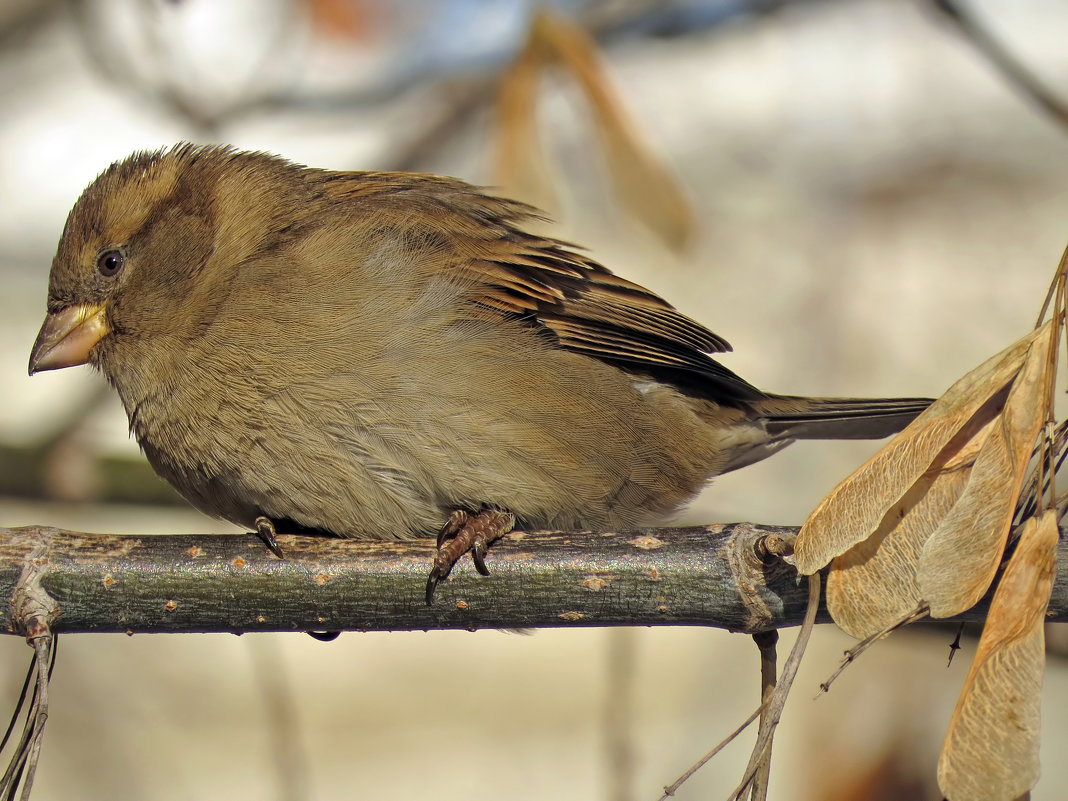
557	439
300	476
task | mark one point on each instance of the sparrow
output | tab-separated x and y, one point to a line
392	355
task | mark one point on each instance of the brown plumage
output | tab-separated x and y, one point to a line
363	354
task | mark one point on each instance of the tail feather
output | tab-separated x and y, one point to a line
792	417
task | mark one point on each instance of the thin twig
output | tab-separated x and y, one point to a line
852	653
44	655
766	641
955	645
778	698
675	785
23	694
23	764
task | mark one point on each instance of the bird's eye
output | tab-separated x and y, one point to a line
110	262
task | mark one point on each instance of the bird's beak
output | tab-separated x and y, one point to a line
67	336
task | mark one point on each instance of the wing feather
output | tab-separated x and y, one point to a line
548	284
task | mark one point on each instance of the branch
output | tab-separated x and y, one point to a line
716	575
1004	61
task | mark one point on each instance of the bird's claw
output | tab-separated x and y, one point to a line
478	555
465	531
265	531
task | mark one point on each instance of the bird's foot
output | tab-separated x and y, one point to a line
466	531
265	531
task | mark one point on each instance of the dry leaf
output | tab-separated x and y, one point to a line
991	749
646	187
943	434
520	166
873	584
962	555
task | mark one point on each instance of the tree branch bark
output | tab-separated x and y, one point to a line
717	575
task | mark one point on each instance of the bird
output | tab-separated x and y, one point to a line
384	355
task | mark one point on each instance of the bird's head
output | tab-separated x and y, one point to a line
135	244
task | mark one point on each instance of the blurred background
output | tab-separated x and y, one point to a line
852	193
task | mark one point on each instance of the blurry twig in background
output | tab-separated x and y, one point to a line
283	730
18	20
166	76
1018	75
160	74
62	466
619	700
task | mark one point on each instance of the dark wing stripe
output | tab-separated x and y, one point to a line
643	353
667	324
522	283
589	339
629	342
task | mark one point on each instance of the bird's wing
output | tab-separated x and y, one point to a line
592	311
548	284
